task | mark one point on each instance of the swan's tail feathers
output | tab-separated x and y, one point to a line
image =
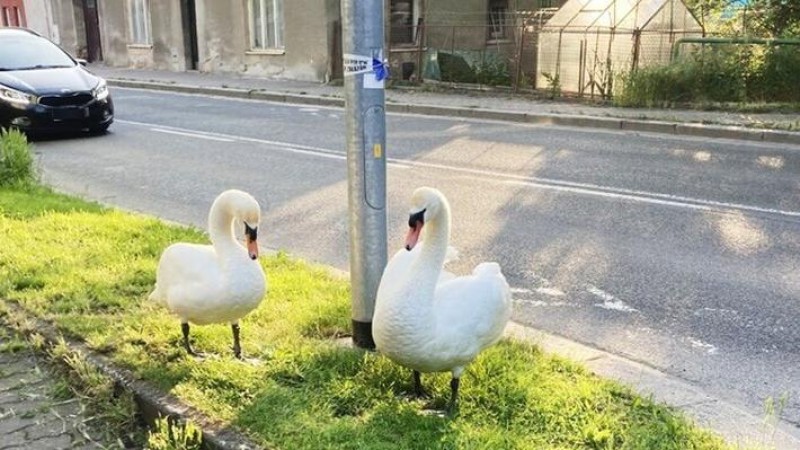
487	269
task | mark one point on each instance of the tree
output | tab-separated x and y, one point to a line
779	18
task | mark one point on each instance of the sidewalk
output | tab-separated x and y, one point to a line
30	415
493	105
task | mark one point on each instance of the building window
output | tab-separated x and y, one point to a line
403	17
266	24
12	13
497	20
140	22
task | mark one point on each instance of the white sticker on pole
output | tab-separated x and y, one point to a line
375	70
356	64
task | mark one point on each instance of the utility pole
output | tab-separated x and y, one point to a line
364	75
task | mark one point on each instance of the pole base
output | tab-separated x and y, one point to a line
362	335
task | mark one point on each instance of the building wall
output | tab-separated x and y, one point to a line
167	31
224	39
166	51
65	29
38	17
114	32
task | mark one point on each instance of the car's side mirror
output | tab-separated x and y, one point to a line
81	61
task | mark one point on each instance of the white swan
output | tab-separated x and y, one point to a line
215	283
428	322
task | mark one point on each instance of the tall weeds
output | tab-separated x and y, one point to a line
720	74
16	161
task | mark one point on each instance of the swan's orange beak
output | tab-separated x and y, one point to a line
251	241
415	223
413	236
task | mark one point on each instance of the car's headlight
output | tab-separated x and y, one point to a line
101	91
15	97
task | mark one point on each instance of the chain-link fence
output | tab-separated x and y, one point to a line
588	63
501	51
580	48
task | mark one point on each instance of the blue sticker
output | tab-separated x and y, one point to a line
381	69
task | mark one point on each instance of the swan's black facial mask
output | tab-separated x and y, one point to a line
416	217
251	236
415	223
251	233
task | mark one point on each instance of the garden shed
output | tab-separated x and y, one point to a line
587	44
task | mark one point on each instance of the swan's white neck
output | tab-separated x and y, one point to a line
424	273
220	229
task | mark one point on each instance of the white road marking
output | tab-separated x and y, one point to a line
696	343
541	303
192	134
507	178
520	291
553	292
609	301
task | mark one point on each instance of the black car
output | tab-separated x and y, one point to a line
43	89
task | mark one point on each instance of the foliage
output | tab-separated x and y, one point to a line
757	18
746	73
482	68
169	435
780	18
16	161
553	84
91	275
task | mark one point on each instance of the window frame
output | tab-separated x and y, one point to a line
275	42
502	25
140	34
415	16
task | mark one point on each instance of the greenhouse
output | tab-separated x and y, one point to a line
588	43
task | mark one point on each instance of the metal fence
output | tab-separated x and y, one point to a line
588	63
499	53
523	53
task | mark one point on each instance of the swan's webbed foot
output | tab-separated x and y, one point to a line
237	348
186	345
419	391
452	406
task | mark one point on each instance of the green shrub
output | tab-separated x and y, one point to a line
743	73
16	161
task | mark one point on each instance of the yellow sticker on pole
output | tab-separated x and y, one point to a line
377	151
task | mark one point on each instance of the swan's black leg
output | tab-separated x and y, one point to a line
419	391
185	330
454	383
237	348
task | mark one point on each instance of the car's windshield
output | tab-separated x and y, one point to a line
31	52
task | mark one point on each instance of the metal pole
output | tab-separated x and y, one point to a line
362	25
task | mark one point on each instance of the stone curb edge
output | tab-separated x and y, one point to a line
151	401
607	123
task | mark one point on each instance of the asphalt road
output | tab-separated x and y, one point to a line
681	253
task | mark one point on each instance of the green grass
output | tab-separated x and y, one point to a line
89	271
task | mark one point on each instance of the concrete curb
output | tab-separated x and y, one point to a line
737	426
566	120
152	402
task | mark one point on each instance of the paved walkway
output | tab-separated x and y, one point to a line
475	100
31	416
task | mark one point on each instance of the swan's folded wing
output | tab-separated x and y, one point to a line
477	306
183	264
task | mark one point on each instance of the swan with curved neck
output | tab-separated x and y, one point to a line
431	323
216	283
